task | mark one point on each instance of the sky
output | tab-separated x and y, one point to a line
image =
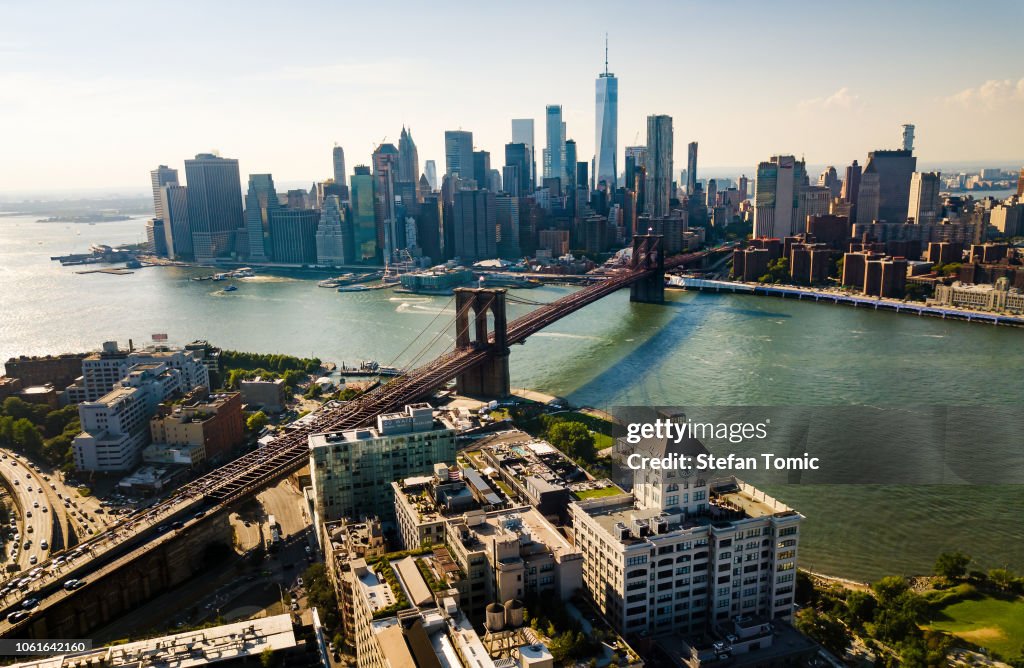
94	95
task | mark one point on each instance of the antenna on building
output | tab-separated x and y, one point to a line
606	53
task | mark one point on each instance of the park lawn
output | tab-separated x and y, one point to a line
995	623
598	493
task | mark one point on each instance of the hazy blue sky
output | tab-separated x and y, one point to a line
97	94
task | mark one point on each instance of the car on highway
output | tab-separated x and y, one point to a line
28	513
43	545
16	616
17	482
30	603
33	559
177	525
46	509
28	544
28	529
73	584
35	504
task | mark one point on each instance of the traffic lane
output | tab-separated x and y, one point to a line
33	527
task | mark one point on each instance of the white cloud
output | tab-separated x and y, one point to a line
841	99
992	94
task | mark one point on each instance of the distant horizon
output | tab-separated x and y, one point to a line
100	95
713	172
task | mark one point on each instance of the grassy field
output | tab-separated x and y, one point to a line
995	623
597	493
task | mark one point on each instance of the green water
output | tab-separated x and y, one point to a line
698	349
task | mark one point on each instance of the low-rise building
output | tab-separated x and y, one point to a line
352	470
103	370
342	543
263	394
424	503
207	425
999	297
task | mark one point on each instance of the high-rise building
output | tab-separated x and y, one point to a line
363	223
160	177
894	170
522	133
408	158
340	175
830	179
260	200
659	165
102	371
518	155
908	138
430	228
711	196
385	173
691	168
606	127
458	153
430	171
925	205
569	179
156	237
851	184
869	194
293	235
555	149
743	188
334	238
214	204
507	220
481	168
776	197
636	158
174	204
475	226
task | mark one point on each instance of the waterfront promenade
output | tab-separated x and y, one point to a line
846	299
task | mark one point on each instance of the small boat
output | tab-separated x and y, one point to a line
352	288
231	288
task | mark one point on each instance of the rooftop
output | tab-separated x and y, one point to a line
182	650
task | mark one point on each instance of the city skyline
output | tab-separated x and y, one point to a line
278	110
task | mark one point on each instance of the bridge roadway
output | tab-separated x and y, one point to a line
290	452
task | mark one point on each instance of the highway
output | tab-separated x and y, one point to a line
290	452
34	527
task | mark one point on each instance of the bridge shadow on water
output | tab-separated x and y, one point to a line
648	357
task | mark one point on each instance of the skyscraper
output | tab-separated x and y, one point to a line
260	200
868	194
334	238
691	168
518	155
658	190
161	176
408	158
293	235
363	222
522	133
507	221
174	204
481	168
606	127
430	171
458	153
851	184
214	204
830	179
569	179
636	158
385	171
777	190
894	171
338	159
925	205
555	149
908	137
475	225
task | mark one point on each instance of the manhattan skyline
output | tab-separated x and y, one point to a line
276	98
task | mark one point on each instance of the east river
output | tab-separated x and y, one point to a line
698	349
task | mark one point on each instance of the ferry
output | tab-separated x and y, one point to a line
353	288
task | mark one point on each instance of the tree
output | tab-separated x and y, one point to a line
952	565
778	271
257	421
26	436
268	659
888	589
829	632
1001	578
573	438
860	608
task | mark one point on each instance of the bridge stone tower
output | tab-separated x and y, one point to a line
489	379
648	254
